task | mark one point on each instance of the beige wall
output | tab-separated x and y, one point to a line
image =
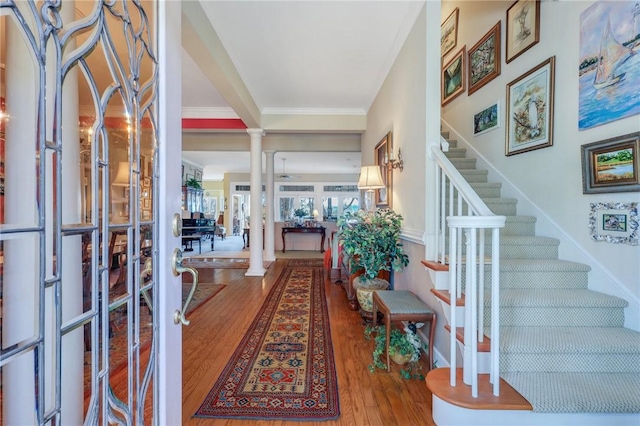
547	181
550	178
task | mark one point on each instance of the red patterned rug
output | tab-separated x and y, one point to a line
311	263
283	369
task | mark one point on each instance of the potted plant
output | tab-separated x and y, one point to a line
404	349
193	183
300	214
371	240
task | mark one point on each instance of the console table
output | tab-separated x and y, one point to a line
304	230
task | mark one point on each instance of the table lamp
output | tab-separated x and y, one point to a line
370	179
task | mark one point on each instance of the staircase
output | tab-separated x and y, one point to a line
562	346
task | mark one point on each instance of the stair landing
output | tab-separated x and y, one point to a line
460	395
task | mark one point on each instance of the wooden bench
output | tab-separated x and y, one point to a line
403	305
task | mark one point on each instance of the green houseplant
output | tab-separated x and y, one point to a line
193	183
372	240
405	347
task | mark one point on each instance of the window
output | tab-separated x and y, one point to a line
286	208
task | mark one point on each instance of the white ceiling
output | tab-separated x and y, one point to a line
298	57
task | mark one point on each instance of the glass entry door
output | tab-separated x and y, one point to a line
79	157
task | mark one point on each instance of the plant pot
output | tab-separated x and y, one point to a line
365	289
400	359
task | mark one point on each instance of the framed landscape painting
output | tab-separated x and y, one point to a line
611	165
486	120
523	28
484	60
452	79
529	116
449	33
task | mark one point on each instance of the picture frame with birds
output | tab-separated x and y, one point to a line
530	99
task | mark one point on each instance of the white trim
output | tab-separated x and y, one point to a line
208	112
314	111
412	235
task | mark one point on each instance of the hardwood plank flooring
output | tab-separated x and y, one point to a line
218	326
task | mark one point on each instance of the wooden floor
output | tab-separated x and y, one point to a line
218	326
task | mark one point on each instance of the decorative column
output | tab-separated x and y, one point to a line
256	265
269	227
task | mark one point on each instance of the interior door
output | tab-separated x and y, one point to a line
86	292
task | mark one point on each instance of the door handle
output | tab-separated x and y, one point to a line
178	268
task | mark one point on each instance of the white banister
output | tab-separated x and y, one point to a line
466	214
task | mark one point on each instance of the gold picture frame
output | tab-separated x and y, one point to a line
449	33
529	117
523	28
452	78
382	153
484	60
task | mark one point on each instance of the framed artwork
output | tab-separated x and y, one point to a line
484	60
609	71
611	165
523	27
452	78
487	119
449	33
198	175
146	182
614	223
529	115
382	152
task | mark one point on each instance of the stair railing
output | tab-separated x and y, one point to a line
464	213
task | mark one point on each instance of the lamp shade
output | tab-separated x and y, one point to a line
122	176
370	178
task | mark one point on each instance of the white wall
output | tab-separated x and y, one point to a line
551	178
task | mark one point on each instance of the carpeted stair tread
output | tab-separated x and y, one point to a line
526	240
548	265
578	392
456	152
558	298
544	340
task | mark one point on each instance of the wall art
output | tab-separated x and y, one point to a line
614	222
449	33
611	165
523	27
484	60
609	71
452	78
382	151
529	116
487	119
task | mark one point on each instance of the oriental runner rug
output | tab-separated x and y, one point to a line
283	369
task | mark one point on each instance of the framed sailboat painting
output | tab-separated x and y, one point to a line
609	70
